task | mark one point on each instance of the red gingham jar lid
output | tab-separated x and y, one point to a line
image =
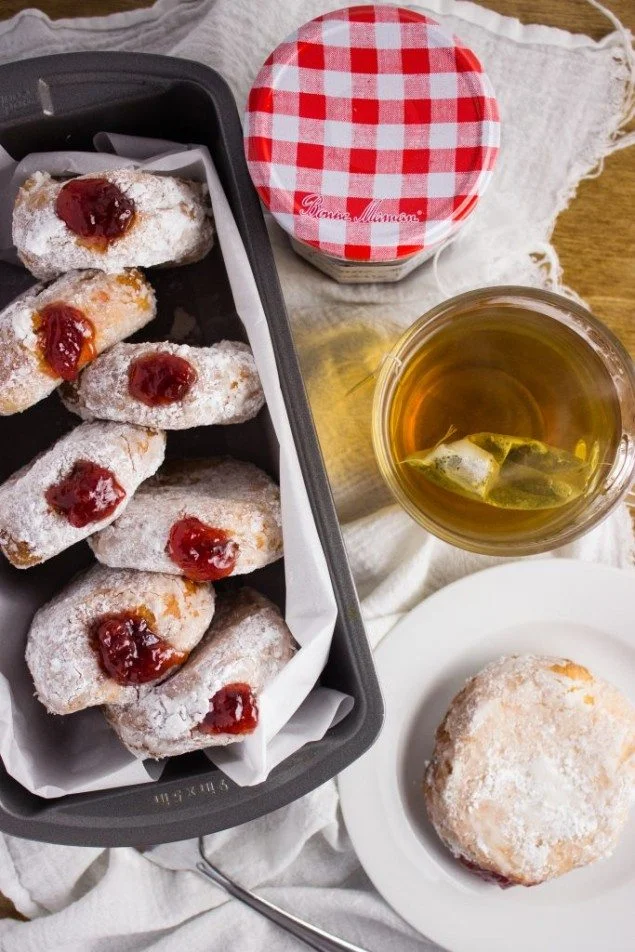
371	133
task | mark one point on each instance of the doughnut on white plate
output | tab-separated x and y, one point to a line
558	607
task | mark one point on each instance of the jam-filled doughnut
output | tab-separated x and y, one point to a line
110	220
77	486
169	386
205	519
49	333
533	770
213	699
110	634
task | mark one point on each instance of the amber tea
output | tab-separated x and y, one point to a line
502	425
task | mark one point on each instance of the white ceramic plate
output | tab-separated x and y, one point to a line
554	607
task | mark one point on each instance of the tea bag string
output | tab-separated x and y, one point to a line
442	286
373	373
445	292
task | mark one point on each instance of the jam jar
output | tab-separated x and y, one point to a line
370	135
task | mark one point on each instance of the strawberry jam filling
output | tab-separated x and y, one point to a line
232	710
66	339
487	875
88	494
130	652
202	552
95	209
160	379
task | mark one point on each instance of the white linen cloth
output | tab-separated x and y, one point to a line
563	99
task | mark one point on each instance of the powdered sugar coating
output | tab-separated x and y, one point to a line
63	662
30	530
227	494
248	642
172	225
226	390
533	770
116	305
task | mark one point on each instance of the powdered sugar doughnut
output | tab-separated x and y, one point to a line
110	220
533	770
213	699
77	486
109	635
62	326
224	514
169	386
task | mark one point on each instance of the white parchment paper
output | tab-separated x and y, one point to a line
52	756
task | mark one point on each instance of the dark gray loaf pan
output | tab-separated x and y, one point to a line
185	102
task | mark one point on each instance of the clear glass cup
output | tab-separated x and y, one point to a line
555	316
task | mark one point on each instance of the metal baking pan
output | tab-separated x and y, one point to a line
60	102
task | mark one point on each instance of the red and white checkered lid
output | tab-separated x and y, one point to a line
371	133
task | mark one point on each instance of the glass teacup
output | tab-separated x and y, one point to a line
504	421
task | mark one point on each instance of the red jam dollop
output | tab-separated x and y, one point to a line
66	338
487	875
159	379
232	710
203	553
88	494
95	209
129	650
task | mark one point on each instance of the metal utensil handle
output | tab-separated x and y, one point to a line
311	935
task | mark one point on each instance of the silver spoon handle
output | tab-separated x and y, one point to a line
311	935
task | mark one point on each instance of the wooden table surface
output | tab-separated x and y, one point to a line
595	236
